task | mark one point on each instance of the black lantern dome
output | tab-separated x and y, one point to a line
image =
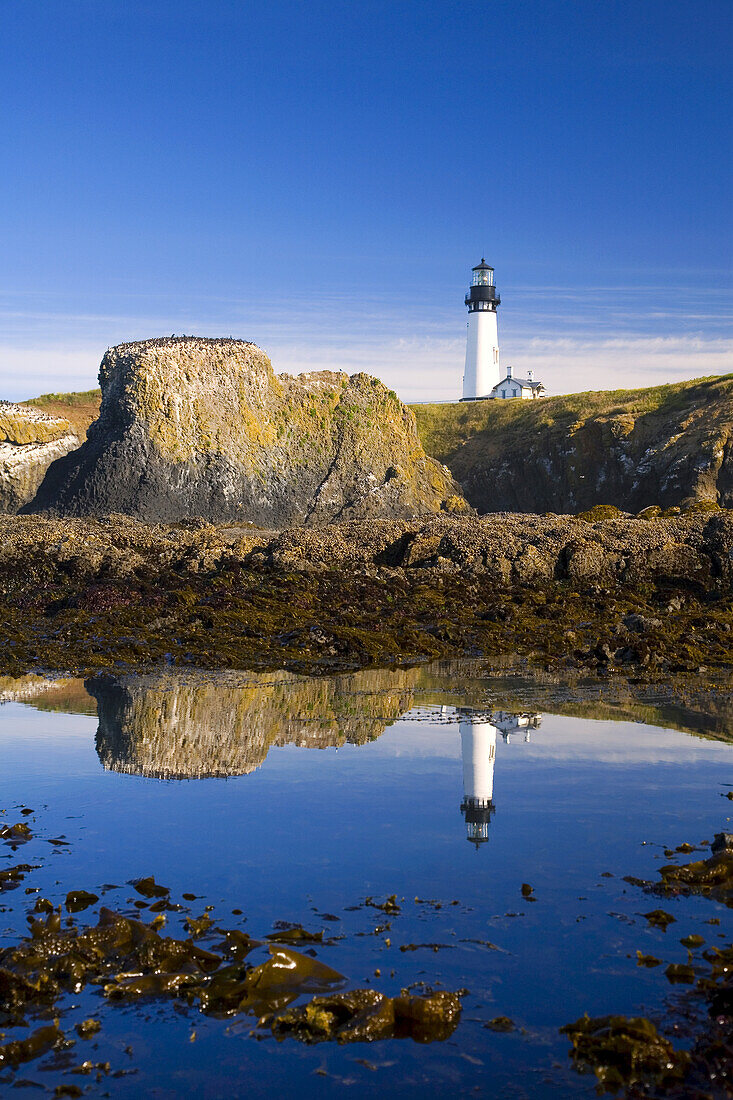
482	294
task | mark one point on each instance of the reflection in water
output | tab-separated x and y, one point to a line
173	726
478	749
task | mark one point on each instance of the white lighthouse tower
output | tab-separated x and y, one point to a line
478	748
482	372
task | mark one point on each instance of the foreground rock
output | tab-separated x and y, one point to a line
191	426
633	596
29	442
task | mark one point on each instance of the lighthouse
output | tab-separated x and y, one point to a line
482	372
478	748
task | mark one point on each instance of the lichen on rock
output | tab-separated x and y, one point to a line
30	441
203	427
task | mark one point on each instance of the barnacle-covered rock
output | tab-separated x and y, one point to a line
203	427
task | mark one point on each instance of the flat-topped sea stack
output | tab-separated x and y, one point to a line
203	427
30	441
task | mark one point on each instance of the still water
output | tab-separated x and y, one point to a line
296	800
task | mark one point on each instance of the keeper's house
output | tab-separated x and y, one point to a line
524	388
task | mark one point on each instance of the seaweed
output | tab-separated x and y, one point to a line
623	1052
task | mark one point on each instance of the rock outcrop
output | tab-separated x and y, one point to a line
695	549
203	427
29	442
663	446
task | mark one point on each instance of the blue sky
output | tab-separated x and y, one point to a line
319	177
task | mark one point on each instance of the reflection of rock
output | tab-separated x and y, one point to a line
30	441
64	694
174	726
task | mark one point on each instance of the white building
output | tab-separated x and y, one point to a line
524	388
482	372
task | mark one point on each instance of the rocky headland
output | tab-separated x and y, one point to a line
663	447
191	426
222	516
30	440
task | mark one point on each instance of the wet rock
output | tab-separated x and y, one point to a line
295	934
624	1052
640	624
78	900
285	976
11	877
364	1015
500	1023
15	834
88	1028
722	842
692	941
25	1050
647	960
678	973
388	906
149	888
712	877
659	918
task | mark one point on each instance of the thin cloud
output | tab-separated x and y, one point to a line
605	337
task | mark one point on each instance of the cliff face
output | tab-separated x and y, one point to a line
632	449
196	427
29	442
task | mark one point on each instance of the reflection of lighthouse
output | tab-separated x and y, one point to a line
508	724
478	746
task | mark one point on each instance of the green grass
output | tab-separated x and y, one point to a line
83	397
443	428
80	409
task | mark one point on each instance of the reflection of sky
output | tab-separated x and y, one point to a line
563	739
318	830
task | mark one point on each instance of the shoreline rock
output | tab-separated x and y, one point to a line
192	426
628	597
30	441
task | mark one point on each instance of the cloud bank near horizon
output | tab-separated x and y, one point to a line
572	340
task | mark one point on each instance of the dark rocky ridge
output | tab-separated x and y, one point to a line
193	426
664	445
